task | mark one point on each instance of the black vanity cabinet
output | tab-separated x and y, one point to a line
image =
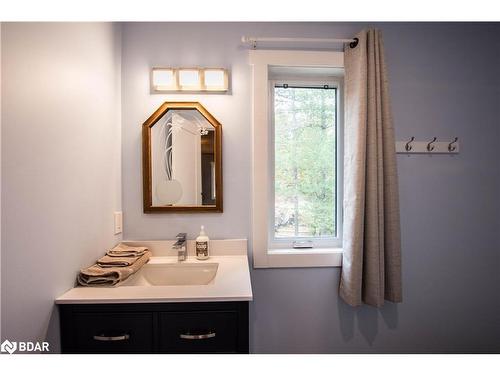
204	327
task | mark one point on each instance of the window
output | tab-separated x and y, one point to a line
304	179
297	158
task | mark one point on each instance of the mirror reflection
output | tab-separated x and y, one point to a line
183	145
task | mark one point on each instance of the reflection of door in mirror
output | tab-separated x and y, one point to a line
207	168
182	147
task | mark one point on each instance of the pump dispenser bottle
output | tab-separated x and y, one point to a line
202	242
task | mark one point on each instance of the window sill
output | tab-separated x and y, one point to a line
291	258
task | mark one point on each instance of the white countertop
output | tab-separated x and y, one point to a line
231	282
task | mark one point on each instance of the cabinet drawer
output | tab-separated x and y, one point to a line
124	332
199	332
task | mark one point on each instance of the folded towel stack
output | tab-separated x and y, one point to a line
116	266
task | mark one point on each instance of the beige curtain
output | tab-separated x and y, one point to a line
371	264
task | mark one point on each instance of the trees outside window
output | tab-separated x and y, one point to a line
305	133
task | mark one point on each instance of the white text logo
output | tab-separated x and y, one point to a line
24	346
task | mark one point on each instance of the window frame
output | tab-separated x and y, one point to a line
263	255
330	242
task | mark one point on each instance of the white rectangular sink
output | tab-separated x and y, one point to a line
162	274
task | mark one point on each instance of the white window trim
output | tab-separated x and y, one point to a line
263	255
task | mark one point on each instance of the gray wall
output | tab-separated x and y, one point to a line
61	165
444	80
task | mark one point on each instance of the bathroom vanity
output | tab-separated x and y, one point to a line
196	327
166	307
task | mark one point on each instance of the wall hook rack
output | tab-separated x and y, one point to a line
428	147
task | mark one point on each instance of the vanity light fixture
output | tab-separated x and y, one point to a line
189	79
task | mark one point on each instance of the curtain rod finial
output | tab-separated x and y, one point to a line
354	43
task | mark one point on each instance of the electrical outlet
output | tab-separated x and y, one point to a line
118	222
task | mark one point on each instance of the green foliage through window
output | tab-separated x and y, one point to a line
305	162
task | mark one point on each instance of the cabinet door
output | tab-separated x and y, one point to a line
123	332
199	332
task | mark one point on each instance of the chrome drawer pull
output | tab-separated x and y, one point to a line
123	337
188	336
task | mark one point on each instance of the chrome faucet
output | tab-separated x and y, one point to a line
180	246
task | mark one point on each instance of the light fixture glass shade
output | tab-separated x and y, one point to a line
189	78
163	78
215	79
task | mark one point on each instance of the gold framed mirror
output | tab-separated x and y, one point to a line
182	159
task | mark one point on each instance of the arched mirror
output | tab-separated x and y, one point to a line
182	159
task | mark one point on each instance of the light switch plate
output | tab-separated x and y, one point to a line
118	222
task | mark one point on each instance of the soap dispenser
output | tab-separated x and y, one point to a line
202	245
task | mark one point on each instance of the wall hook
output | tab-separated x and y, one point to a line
451	146
408	145
430	145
